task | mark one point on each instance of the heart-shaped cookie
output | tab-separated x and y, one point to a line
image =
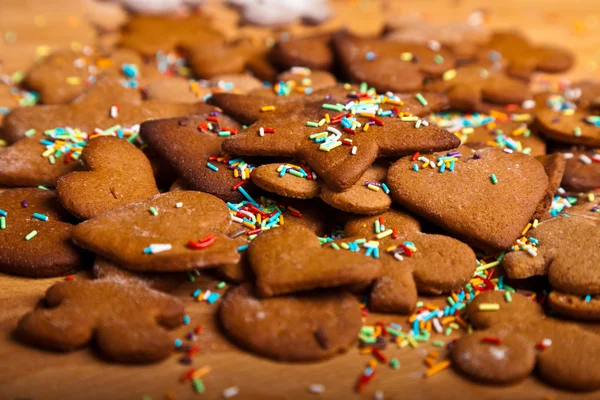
35	237
175	231
290	259
486	197
119	174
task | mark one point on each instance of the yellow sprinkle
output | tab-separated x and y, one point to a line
373	187
526	229
535	223
366	127
591	197
327	118
409	119
73	80
521	117
267	108
449	75
489	307
322	121
406	56
344	246
390	248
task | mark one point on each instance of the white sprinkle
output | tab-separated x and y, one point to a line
532	252
354	148
114	111
159	247
437	326
261	131
568	156
585	159
316	388
434	45
378	395
547	342
509	151
314	176
260	315
418	124
566	203
334	130
231	392
528	104
178	205
236	219
425	123
398	257
561	191
206	295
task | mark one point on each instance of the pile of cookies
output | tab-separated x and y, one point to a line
324	173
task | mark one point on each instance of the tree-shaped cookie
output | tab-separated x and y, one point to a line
413	262
174	231
303	327
247	109
339	142
515	339
118	174
126	320
481	87
494	193
522	58
565	249
35	235
388	65
367	196
290	259
192	146
149	34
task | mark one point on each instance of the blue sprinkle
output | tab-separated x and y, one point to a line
41	217
186	320
243	247
370	56
3	213
213	297
588	298
178	342
196	293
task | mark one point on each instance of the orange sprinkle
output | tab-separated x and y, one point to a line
437	368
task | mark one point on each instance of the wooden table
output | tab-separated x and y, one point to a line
26	372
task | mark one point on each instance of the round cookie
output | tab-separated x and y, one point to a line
578	127
310	52
576	307
582	172
303	327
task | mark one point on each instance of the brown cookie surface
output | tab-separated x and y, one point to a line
301	327
343	149
582	171
566	251
35	235
520	181
159	234
512	135
290	259
516	339
412	262
390	66
127	321
576	307
579	127
554	165
118	174
310	52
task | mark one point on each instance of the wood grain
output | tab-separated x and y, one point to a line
27	372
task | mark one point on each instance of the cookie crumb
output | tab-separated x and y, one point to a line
316	388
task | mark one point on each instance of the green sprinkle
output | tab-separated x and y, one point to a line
312	124
335	246
392	331
507	296
224	133
421	99
30	235
494	179
438	343
367	330
292	171
153	211
438	59
394	363
146	398
190	277
30	133
419	304
42	187
2	222
221	285
448	331
363	87
244	126
198	385
333	107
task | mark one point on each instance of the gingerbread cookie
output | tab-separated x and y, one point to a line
516	339
164	282
588	94
208	60
310	52
118	174
149	34
522	58
582	172
512	135
192	146
60	77
554	165
175	90
126	320
412	262
390	66
303	327
580	308
290	259
480	181
342	149
480	87
465	40
578	127
367	196
35	235
175	231
565	249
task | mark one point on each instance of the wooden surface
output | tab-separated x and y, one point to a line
27	372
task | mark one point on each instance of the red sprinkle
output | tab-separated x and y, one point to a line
377	121
415	156
395	233
69	278
188	375
378	355
237	185
493	340
202	243
352	131
212	119
269	130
